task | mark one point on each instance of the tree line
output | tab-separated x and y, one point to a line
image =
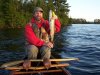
83	21
16	13
97	21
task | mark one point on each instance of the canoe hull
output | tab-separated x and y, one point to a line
39	69
42	72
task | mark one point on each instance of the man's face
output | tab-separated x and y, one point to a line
38	15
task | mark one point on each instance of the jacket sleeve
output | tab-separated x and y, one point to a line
31	37
57	26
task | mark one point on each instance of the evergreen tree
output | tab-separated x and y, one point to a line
15	13
1	15
62	10
9	12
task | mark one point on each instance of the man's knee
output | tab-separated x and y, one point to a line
45	48
45	52
32	47
32	52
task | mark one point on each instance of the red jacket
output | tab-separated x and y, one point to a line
30	35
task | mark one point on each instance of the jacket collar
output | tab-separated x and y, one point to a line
37	23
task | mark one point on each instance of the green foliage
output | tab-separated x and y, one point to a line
62	10
16	13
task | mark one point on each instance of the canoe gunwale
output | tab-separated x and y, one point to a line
34	72
57	69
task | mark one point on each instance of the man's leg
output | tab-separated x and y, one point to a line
32	52
45	52
45	55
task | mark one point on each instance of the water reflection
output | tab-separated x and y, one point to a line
11	39
11	44
61	42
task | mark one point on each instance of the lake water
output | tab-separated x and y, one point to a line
78	40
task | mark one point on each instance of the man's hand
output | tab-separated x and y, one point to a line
54	16
49	44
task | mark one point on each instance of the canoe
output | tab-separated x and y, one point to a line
55	69
37	67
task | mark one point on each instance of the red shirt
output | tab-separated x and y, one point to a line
30	35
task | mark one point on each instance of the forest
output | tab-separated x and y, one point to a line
16	13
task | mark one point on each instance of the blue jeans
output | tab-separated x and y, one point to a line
32	52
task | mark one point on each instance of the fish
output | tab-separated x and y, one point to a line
51	25
44	35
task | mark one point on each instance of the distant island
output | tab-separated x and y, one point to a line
83	21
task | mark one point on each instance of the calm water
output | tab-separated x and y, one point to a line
80	41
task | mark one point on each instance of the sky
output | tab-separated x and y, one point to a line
86	9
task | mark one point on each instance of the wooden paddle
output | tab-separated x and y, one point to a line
13	63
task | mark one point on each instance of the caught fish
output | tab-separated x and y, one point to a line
44	35
52	26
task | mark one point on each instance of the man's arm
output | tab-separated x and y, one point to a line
57	26
31	37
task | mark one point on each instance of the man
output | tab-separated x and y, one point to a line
36	33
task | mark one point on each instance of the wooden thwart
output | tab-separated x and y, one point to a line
67	59
37	68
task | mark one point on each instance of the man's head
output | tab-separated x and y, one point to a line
38	13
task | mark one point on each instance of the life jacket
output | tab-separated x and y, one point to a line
40	32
